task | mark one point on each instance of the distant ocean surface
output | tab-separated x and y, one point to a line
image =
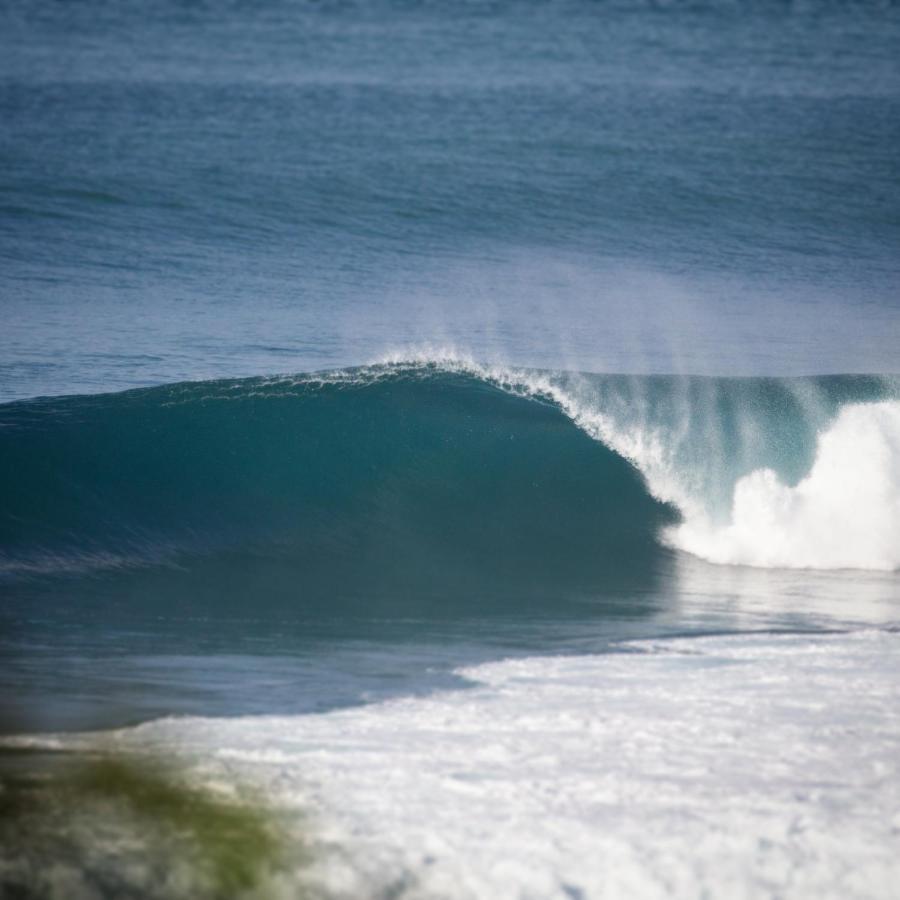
476	422
203	190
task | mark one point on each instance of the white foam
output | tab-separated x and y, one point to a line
844	514
741	767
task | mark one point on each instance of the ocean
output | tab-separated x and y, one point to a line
473	426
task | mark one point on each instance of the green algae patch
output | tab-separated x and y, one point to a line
129	826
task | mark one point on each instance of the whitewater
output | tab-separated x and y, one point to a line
689	767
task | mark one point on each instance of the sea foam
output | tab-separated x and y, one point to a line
680	768
844	514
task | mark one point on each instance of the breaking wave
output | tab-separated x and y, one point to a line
435	477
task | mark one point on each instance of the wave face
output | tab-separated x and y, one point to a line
387	483
424	482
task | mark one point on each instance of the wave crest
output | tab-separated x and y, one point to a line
774	473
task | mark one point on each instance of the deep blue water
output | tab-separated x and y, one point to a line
193	190
206	191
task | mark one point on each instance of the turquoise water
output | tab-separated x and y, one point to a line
567	274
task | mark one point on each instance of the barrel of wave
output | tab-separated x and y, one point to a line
845	514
